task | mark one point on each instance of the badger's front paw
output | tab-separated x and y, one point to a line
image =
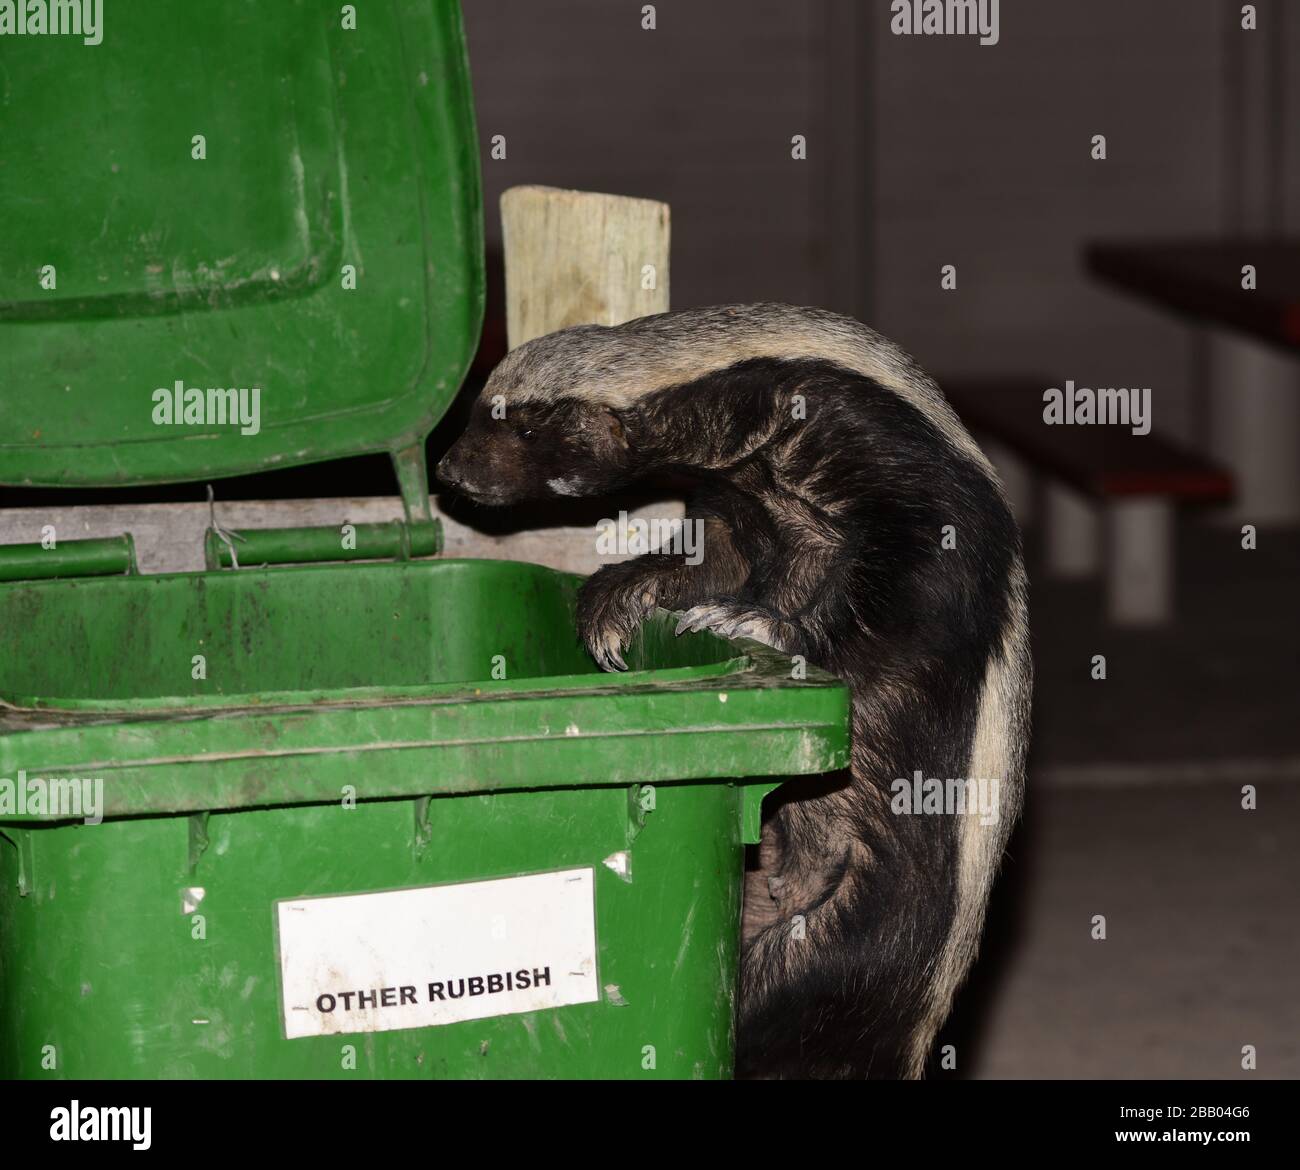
611	606
730	619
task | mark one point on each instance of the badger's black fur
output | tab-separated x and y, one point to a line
827	466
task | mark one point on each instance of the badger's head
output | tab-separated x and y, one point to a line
543	426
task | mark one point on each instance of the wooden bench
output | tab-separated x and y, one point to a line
1137	479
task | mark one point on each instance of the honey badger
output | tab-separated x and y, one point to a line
826	466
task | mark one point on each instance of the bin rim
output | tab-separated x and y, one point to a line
743	716
729	727
756	665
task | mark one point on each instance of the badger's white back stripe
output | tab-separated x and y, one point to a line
619	364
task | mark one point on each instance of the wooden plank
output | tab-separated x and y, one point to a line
1102	461
581	258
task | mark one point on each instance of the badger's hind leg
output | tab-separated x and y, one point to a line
821	996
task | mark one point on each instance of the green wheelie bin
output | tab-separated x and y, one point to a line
335	807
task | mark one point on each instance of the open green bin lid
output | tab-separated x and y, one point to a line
130	265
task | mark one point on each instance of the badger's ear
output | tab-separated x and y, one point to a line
613	423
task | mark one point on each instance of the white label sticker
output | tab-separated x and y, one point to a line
438	954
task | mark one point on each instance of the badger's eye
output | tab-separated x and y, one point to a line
526	433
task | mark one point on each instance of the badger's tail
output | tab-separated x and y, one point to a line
999	750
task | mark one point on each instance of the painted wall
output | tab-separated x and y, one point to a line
923	151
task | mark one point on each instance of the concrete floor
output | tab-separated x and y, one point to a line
1202	947
1134	812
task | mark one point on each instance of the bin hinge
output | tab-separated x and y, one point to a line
417	534
393	541
109	556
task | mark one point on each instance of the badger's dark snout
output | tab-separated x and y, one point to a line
461	466
472	472
449	469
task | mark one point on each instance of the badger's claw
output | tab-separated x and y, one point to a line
611	607
729	620
607	653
